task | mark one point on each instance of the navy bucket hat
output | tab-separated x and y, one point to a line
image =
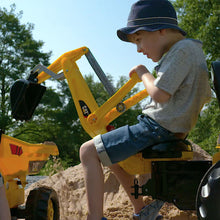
150	15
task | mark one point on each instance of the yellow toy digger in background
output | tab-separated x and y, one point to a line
174	176
17	160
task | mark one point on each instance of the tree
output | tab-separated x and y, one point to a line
19	52
207	129
200	19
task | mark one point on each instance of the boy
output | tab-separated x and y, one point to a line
4	208
178	94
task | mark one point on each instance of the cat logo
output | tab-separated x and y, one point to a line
85	109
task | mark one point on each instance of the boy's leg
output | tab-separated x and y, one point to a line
127	181
94	180
141	210
111	148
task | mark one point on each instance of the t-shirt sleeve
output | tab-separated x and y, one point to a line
173	70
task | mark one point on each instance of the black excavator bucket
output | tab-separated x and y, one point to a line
25	95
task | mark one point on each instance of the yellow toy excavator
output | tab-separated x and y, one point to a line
175	177
17	160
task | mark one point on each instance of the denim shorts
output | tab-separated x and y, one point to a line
123	142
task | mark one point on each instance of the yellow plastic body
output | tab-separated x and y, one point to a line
99	117
138	165
216	156
15	159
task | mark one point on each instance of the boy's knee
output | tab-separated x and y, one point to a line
83	151
87	151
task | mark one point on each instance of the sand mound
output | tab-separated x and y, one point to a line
69	185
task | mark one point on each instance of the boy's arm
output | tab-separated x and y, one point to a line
157	94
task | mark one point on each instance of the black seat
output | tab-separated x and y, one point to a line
216	78
169	149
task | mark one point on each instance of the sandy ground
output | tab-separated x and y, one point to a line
69	185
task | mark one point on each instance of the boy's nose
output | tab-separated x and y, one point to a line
139	49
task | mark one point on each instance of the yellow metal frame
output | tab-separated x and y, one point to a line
14	166
99	118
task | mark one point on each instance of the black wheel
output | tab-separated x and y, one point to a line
42	204
208	195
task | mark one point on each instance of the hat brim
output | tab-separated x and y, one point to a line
124	32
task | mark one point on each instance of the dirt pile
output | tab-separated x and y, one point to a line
69	185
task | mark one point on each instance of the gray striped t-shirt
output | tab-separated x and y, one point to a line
183	74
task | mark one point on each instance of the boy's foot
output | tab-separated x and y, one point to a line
150	212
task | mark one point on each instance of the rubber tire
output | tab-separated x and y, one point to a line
37	204
208	195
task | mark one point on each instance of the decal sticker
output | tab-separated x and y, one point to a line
15	149
85	109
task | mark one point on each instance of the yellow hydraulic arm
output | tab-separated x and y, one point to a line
93	118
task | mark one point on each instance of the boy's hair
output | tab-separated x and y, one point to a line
150	15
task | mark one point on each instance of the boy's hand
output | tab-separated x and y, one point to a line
157	94
140	70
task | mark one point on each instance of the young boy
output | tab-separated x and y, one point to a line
4	208
178	94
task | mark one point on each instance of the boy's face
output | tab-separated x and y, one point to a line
150	44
